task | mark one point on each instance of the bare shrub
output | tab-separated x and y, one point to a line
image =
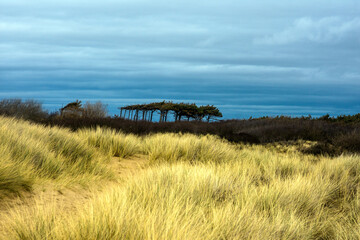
28	109
95	110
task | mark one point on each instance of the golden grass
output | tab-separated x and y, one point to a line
111	142
31	154
202	187
173	148
229	201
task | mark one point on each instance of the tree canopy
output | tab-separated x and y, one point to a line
180	111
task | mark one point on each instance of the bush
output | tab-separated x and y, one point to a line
95	110
29	109
349	142
323	148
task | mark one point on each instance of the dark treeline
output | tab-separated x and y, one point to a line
334	135
188	111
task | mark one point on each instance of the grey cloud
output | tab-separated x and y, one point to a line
325	30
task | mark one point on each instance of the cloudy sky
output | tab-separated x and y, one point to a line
249	58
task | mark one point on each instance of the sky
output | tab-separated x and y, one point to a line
248	58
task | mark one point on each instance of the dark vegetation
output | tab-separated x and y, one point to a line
29	109
334	135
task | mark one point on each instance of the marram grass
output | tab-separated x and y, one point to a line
199	187
229	201
31	154
112	142
172	148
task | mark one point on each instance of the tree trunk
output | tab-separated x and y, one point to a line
162	116
146	113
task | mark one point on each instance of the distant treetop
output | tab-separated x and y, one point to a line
179	110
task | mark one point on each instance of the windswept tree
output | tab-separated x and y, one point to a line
160	106
151	108
201	113
211	112
72	109
190	111
166	107
182	110
179	110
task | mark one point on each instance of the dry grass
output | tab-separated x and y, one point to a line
202	187
172	148
112	142
274	199
31	154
